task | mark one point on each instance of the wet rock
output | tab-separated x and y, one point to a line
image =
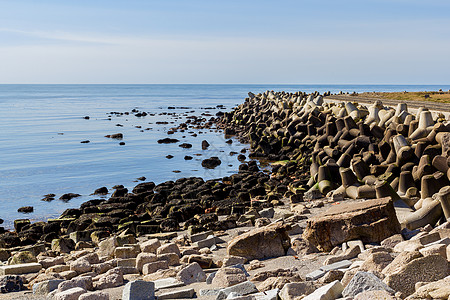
371	221
167	141
101	191
205	144
69	196
26	209
117	136
185	145
211	163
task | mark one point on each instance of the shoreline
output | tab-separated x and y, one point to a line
327	155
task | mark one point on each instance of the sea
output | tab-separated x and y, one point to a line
42	128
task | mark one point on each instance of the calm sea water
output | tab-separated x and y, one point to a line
42	127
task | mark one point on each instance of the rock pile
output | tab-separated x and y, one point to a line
355	207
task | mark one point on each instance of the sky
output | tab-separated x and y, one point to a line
230	41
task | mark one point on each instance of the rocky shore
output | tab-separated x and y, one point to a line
355	207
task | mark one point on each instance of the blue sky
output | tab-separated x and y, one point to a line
361	42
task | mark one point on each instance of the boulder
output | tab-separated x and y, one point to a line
434	290
228	276
364	281
294	290
150	245
371	221
330	291
139	289
70	294
11	283
429	268
168	248
144	258
265	242
191	273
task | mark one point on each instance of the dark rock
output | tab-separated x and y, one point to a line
118	136
101	191
86	117
19	224
69	196
144	187
122	143
211	163
169	156
141	178
49	197
11	283
167	141
85	142
205	144
187	157
185	145
26	209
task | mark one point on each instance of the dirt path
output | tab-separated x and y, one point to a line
442	107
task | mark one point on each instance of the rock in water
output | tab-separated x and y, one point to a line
370	221
265	242
211	163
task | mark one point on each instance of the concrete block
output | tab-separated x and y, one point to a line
45	287
330	291
241	289
20	269
314	275
166	283
200	236
337	265
181	294
139	289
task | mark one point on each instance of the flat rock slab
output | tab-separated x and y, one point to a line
181	294
337	265
167	283
20	269
370	221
